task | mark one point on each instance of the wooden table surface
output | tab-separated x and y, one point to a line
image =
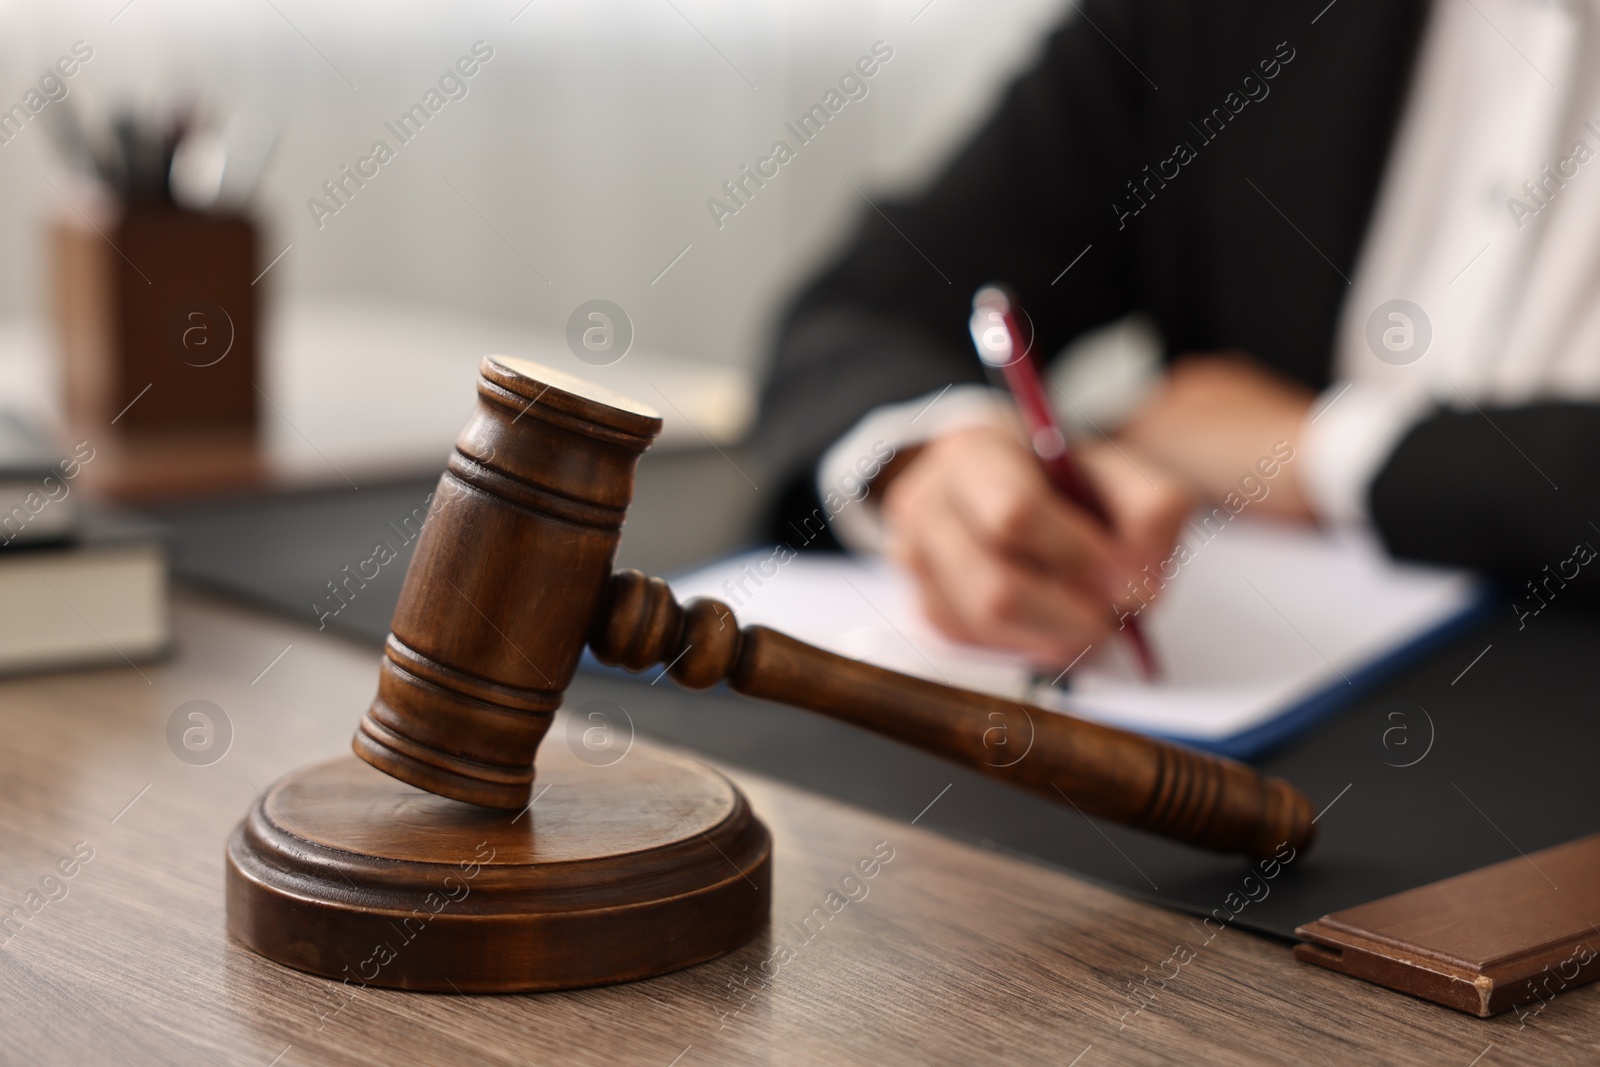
953	954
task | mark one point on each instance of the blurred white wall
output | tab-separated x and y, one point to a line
591	141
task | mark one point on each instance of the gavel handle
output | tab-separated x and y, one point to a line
1203	800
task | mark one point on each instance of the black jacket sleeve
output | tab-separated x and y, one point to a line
1509	490
1246	243
1028	193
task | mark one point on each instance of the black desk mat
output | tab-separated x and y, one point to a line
281	551
1436	773
1484	750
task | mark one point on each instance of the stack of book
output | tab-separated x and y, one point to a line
81	585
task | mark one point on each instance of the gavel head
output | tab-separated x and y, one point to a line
510	569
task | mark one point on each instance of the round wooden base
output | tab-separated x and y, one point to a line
613	873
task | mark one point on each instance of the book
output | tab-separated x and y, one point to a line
37	502
1480	942
100	599
1266	629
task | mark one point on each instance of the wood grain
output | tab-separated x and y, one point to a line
954	956
507	574
628	870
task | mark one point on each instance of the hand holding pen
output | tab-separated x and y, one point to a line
1000	342
998	556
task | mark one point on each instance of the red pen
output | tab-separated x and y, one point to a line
1000	345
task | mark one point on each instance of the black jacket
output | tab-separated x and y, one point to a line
1219	160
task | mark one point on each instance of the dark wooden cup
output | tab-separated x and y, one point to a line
156	320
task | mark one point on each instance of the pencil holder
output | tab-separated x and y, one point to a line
156	320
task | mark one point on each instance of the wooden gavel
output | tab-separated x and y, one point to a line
513	574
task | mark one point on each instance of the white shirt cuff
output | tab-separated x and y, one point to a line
855	458
1346	443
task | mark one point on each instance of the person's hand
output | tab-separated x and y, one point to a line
1002	560
1215	420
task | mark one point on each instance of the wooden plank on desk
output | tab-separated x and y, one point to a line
951	955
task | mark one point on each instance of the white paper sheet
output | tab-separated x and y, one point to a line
1261	618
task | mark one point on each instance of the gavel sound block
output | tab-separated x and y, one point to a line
448	872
